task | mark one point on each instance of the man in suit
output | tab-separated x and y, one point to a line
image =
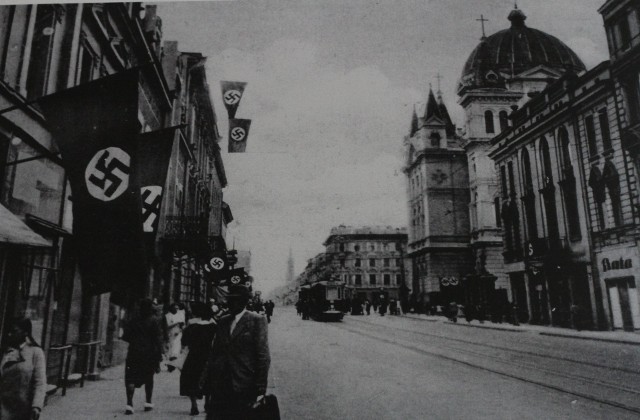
238	366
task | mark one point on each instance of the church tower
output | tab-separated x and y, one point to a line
438	199
290	268
502	73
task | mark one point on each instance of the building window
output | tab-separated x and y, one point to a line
496	209
341	247
435	139
358	279
34	186
503	181
512	180
387	279
386	262
342	262
372	262
548	192
623	33
529	198
631	88
504	120
41	49
604	129
398	279
591	136
358	262
488	122
398	262
612	182
568	184
356	248
372	279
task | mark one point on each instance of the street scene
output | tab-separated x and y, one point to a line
408	209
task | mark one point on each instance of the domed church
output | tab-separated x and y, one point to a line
501	74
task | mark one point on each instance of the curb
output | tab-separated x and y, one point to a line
488	327
579	337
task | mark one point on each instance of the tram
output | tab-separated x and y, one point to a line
326	299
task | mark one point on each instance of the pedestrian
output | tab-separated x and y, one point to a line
174	323
238	365
453	311
196	341
144	335
367	304
268	310
514	313
383	305
23	376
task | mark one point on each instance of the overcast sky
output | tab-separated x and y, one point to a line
331	84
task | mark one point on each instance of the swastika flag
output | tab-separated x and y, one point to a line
95	125
154	149
238	133
231	96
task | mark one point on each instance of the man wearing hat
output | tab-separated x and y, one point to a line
238	367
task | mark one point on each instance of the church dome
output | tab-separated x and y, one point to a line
517	49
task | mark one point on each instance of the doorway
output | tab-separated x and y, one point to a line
623	301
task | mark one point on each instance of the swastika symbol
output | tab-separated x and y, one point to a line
235	279
151	201
237	134
107	174
232	97
217	263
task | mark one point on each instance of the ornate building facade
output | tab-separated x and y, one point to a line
438	203
616	244
502	73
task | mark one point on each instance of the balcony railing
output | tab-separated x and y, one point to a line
183	227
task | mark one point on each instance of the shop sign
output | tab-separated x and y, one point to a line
619	264
618	261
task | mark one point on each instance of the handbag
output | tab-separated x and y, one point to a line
267	409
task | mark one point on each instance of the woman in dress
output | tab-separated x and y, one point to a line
175	322
197	337
23	376
144	335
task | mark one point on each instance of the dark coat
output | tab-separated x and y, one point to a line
240	360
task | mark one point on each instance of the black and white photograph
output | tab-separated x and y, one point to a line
320	209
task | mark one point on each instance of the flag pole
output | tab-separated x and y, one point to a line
35	101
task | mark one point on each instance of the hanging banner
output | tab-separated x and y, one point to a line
231	95
96	126
238	133
154	148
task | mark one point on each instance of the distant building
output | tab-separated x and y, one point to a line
369	260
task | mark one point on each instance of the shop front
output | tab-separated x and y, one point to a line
619	274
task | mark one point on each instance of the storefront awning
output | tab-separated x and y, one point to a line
15	232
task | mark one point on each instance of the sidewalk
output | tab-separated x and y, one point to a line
622	337
105	399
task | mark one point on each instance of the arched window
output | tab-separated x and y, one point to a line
568	184
563	139
488	122
548	192
529	198
545	158
504	120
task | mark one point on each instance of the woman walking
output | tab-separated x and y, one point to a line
198	337
23	375
144	335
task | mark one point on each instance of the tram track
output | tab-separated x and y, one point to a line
503	348
582	386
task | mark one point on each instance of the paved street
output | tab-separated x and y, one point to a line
406	368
